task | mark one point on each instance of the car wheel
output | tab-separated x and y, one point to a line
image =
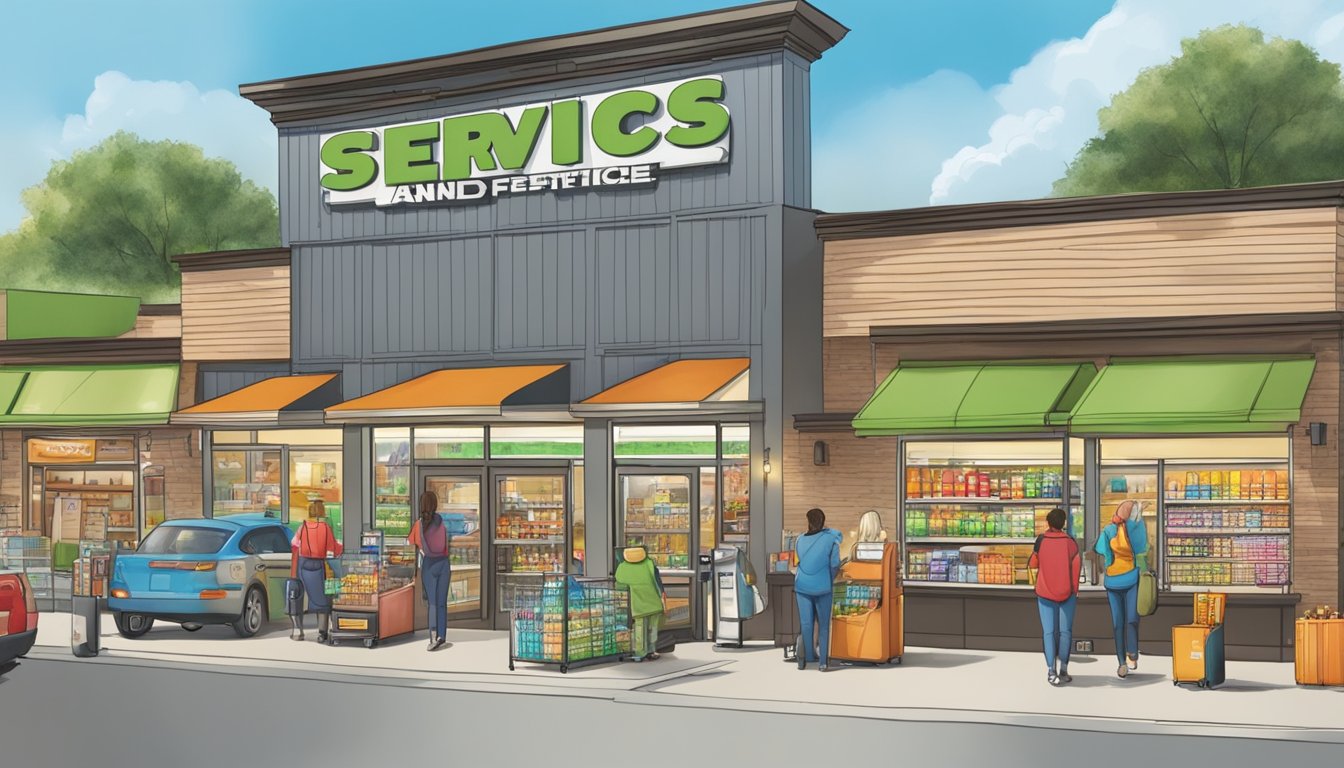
192	627
132	625
249	621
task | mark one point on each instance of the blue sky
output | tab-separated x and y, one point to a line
955	100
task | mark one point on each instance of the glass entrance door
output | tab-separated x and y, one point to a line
660	511
460	505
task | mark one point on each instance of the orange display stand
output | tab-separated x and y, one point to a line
868	611
1319	657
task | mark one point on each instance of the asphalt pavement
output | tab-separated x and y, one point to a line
134	713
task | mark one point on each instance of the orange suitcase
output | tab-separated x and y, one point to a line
1319	652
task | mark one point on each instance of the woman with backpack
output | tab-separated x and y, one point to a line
1058	563
429	535
312	545
1123	546
818	558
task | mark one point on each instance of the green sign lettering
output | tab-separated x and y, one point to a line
566	132
609	119
408	154
697	103
344	154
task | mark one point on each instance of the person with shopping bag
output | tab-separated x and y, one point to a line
648	600
312	546
1124	546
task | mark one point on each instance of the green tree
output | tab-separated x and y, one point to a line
1231	111
109	219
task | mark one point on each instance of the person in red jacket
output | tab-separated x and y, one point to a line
314	543
1058	562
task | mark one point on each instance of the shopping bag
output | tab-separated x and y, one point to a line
331	586
1147	593
293	597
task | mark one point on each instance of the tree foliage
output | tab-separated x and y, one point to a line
109	219
1231	111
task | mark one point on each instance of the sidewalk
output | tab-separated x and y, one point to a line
1259	701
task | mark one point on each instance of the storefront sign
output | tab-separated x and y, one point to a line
116	451
60	451
610	139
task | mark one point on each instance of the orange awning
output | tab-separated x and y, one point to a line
461	393
277	401
717	385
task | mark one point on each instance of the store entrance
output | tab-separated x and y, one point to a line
665	511
460	496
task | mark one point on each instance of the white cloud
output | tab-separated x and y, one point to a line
1049	106
223	124
882	153
1046	111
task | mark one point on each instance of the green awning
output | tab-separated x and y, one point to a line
1194	395
981	397
88	395
46	315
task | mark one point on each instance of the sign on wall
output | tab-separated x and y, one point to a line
613	139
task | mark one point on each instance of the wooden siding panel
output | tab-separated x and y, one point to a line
236	314
1216	263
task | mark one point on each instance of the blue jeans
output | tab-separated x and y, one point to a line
436	593
1057	629
815	611
1125	620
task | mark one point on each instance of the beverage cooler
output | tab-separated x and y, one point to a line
868	608
374	599
531	534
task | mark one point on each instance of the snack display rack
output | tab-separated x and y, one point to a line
569	621
1226	525
530	532
661	523
868	607
374	599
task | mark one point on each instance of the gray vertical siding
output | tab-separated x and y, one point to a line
221	379
796	94
541	291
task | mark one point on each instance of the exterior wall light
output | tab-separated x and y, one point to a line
821	454
765	466
1316	429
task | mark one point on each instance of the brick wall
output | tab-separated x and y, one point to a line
1316	470
11	467
182	469
860	475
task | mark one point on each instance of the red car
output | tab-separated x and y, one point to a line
18	619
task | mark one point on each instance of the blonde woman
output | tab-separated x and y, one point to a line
870	530
1124	545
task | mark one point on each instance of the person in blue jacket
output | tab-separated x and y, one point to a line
818	556
1124	546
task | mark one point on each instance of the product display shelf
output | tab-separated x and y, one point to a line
984	500
32	556
569	621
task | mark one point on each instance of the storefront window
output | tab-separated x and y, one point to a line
542	442
449	443
579	561
1217	510
246	482
973	509
315	475
392	481
693	441
737	441
156	501
313	437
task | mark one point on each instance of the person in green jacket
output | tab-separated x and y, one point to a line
648	600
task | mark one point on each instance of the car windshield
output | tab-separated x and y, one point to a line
183	540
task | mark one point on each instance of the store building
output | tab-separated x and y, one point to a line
567	284
985	363
87	458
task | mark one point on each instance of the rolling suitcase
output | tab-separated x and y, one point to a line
1319	656
1198	655
293	597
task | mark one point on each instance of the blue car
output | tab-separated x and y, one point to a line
198	572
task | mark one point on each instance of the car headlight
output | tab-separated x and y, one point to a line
231	571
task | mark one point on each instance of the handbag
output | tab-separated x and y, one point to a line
1147	597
